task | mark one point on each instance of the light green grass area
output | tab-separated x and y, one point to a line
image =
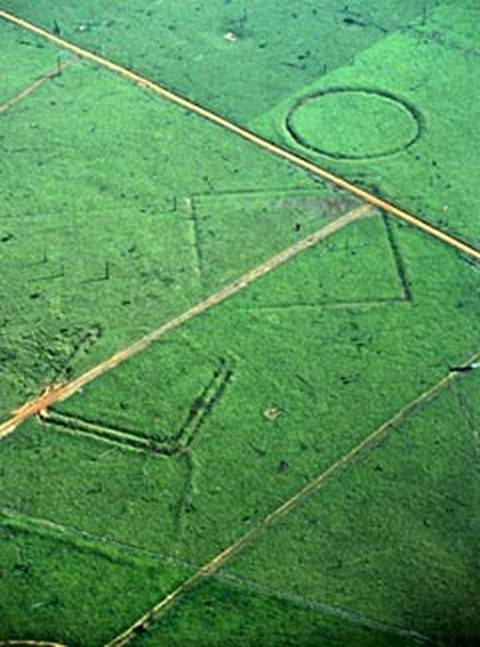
347	123
18	72
119	211
181	435
433	72
422	52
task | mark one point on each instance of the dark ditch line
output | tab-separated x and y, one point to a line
467	411
400	267
398	259
210	568
115	207
56	274
341	200
255	193
331	305
409	108
196	234
202	407
120	552
129	439
101	277
60	271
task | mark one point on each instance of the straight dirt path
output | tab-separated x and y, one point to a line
217	562
246	134
60	392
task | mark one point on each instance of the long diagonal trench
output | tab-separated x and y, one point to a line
217	562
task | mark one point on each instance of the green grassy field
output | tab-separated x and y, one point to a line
295	462
408	154
98	249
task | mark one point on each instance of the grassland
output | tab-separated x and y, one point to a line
64	583
221	613
184	46
297	465
426	67
113	219
20	72
423	53
421	487
214	463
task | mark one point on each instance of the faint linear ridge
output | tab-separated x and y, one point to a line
128	553
101	544
61	392
52	74
213	565
350	616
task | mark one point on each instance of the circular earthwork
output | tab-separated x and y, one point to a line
354	123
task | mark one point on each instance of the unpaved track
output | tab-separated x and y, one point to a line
312	168
212	566
60	392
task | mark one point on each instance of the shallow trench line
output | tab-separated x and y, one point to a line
217	562
60	392
248	135
44	527
34	86
212	566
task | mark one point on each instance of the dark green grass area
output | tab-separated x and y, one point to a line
395	536
273	47
61	586
118	213
128	496
431	71
217	614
